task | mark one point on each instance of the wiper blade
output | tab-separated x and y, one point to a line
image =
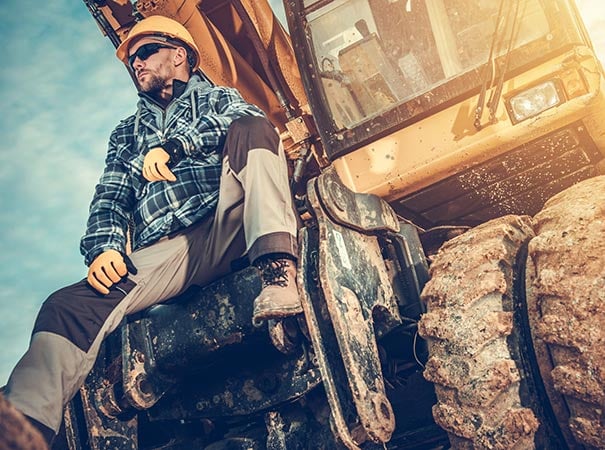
489	71
497	92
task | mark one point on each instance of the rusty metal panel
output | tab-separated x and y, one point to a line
322	336
351	272
239	391
361	212
207	334
102	431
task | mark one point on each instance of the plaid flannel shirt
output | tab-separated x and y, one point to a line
198	118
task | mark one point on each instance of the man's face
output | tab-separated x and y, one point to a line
156	71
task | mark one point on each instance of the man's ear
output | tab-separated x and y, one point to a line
180	56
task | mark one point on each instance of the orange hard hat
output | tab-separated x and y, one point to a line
158	26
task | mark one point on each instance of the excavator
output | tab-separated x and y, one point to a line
447	161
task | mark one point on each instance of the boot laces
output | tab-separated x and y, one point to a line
273	272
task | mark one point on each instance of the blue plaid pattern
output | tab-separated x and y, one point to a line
199	119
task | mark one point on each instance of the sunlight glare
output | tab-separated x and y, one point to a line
593	14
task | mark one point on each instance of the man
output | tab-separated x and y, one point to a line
202	178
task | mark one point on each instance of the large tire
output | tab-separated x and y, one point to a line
566	303
468	326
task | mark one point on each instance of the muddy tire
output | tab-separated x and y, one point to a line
566	302
468	326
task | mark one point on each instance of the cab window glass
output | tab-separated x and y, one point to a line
375	54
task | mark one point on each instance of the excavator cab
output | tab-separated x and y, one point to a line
455	112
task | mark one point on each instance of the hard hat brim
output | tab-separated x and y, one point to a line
159	26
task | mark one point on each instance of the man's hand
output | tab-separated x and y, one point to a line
155	166
106	269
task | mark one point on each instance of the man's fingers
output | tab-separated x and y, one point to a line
145	174
103	277
120	269
111	273
155	172
150	173
94	279
164	172
107	269
158	172
98	286
154	166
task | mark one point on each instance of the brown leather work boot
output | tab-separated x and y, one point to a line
279	297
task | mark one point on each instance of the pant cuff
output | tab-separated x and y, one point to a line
278	242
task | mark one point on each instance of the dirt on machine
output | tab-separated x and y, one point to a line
447	163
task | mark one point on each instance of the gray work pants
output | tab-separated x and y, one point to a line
254	215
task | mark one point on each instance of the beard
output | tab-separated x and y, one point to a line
153	85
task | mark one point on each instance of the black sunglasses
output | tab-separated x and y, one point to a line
145	51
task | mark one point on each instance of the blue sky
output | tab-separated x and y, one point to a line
62	92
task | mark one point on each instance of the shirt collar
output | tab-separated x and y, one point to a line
178	87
